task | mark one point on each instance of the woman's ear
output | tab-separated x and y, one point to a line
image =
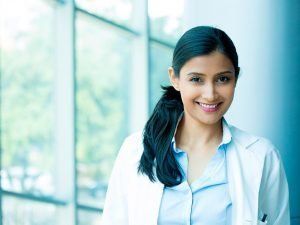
174	80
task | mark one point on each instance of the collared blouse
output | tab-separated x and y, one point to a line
207	200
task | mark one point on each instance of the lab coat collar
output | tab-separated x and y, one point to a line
242	138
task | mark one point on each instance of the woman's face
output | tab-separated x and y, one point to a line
206	84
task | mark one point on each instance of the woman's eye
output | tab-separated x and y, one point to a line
195	79
223	79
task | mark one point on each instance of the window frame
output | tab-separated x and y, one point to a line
66	11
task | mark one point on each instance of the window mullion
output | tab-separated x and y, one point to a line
139	91
64	150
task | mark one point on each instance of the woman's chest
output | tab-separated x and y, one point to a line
193	203
196	165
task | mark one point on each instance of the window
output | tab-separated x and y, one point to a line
68	72
166	20
17	211
166	27
103	75
159	70
119	11
27	97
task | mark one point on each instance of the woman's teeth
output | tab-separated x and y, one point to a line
208	106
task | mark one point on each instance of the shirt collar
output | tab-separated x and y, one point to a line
227	136
226	139
173	143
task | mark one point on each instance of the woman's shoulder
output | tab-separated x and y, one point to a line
253	142
134	139
132	146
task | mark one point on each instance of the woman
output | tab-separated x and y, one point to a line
189	166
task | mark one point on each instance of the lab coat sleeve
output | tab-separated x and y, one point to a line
274	192
115	207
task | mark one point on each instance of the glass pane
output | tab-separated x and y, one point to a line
23	212
120	11
166	19
27	109
89	218
103	81
160	61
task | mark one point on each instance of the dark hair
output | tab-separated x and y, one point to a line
157	158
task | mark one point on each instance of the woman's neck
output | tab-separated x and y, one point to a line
195	135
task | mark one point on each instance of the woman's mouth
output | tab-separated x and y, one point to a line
209	107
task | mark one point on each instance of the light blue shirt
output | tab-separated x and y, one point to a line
206	201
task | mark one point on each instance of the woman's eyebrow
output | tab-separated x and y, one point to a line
202	74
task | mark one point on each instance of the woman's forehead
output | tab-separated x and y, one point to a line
208	64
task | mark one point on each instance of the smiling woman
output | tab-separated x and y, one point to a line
188	165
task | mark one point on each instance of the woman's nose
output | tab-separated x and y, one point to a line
209	93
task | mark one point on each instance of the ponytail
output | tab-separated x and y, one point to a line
157	138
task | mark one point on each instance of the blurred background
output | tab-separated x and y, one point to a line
77	77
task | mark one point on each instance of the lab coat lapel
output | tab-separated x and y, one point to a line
235	184
243	185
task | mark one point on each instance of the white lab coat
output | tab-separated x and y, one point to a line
256	178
